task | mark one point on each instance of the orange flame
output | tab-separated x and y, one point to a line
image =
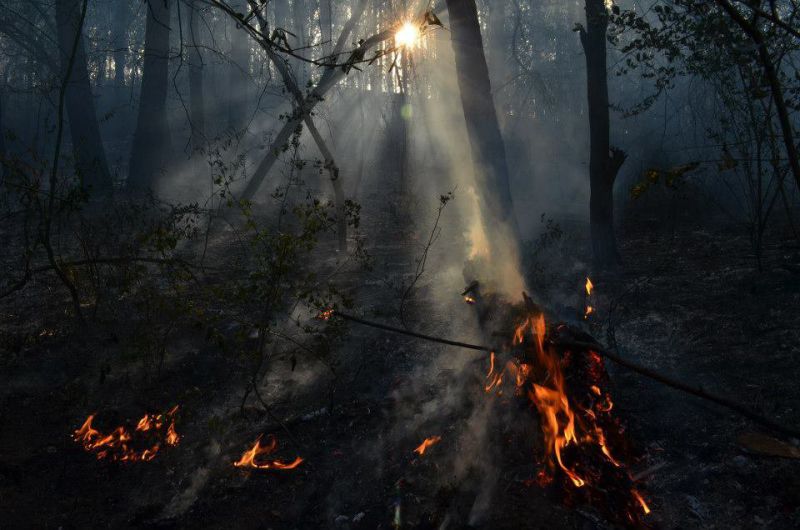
640	500
427	443
589	289
117	444
248	459
542	380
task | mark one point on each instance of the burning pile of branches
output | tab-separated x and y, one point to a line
586	453
140	445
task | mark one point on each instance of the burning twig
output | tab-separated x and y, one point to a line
249	457
428	442
587	299
121	444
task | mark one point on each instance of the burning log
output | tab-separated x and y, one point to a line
140	445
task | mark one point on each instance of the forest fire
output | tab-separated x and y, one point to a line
428	442
248	459
585	447
140	445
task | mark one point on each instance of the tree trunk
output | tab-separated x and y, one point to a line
3	161
151	141
488	150
604	161
329	79
89	155
197	100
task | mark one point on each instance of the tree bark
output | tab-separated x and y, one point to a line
89	155
151	140
488	149
3	161
604	161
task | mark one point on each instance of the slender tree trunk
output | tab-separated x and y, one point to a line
329	79
197	101
151	141
87	146
773	78
488	150
604	161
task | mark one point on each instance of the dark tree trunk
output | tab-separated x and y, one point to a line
197	100
89	155
151	141
604	161
3	161
488	150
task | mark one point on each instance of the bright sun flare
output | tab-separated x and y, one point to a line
407	35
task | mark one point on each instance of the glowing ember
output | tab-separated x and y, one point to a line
589	286
469	299
141	445
407	36
249	457
326	314
433	440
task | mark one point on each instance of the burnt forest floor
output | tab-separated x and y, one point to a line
689	304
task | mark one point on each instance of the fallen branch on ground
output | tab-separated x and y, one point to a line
603	352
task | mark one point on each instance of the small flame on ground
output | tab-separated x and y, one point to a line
118	444
589	289
433	440
249	457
